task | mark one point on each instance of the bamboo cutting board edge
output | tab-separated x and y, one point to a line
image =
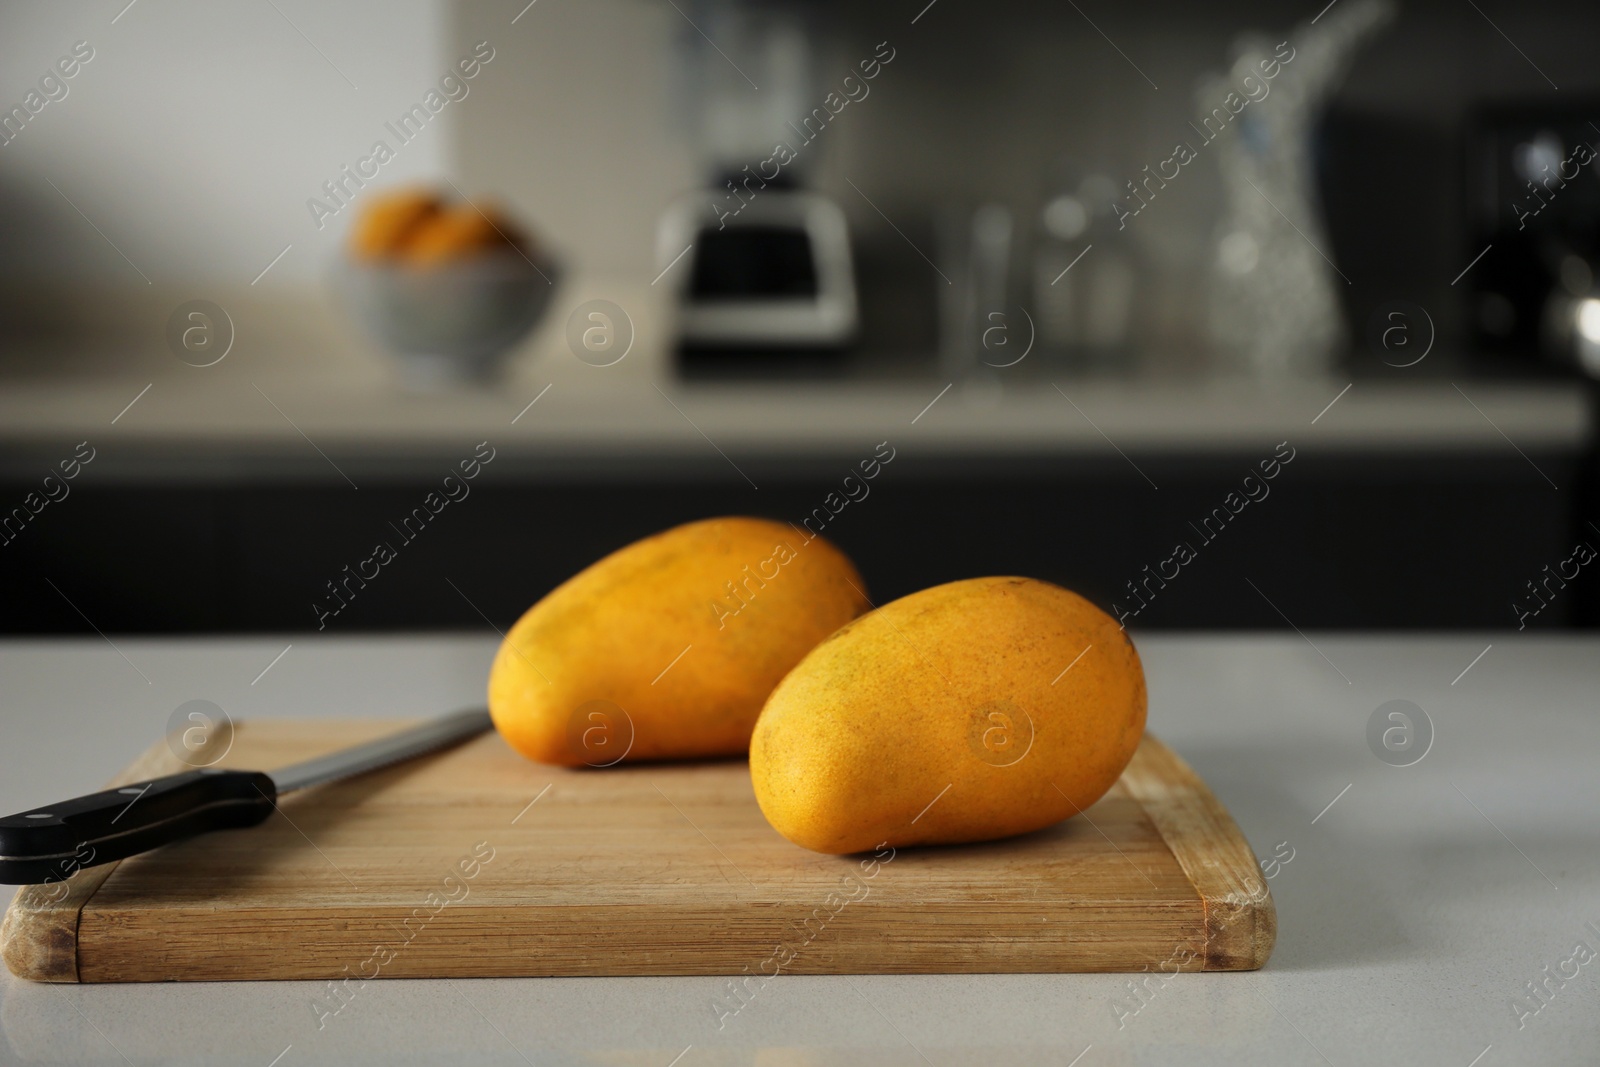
42	936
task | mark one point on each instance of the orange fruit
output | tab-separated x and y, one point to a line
388	220
667	648
969	711
459	232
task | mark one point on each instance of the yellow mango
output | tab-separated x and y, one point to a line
667	648
390	220
969	711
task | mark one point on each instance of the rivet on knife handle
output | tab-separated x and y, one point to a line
50	843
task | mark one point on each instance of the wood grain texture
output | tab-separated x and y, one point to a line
39	934
1241	920
475	862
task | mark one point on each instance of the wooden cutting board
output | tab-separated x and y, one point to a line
476	863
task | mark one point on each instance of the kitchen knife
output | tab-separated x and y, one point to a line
50	843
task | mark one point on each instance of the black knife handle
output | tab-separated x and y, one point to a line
51	843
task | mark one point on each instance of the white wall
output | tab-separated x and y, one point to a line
197	132
584	131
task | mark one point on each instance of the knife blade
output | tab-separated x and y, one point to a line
50	843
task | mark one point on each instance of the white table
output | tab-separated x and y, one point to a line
1413	911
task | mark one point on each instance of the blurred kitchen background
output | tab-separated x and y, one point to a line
1087	272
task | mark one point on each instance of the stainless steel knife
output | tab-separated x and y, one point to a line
50	843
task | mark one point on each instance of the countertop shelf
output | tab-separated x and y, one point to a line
299	379
267	420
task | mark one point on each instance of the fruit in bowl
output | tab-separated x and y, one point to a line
448	288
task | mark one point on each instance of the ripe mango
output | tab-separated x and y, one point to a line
666	649
969	711
390	220
460	232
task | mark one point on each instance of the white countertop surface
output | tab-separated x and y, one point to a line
305	395
209	421
1413	911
